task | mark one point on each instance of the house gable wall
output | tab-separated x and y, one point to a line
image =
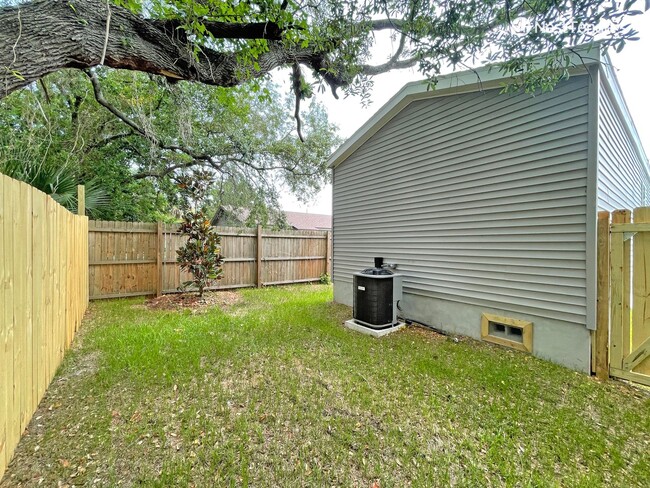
623	178
480	198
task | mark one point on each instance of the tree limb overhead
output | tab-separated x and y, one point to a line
48	35
228	43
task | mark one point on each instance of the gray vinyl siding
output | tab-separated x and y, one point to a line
480	198
623	181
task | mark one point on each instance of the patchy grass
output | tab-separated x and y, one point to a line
273	391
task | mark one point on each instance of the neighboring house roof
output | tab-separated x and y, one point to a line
484	78
307	221
227	215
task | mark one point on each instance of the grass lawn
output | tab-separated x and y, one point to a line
273	391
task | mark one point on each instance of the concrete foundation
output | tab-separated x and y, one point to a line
560	342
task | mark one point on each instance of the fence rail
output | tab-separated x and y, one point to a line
43	279
135	258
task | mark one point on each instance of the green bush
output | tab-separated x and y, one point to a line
201	254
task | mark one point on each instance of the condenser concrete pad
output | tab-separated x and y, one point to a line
351	324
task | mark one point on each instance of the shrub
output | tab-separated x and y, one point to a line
201	254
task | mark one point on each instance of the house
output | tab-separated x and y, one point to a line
229	216
487	203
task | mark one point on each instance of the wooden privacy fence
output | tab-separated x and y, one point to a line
44	283
623	348
135	258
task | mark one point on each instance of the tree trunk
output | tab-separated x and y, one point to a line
42	36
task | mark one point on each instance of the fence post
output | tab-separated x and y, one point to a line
602	309
160	244
259	256
81	200
328	254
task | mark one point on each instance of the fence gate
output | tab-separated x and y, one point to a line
629	351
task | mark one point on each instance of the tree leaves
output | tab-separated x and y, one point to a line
244	136
226	43
201	254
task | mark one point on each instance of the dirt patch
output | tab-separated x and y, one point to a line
427	334
85	364
191	301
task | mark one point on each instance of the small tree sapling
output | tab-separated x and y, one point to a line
201	254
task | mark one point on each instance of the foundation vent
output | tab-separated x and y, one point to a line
514	333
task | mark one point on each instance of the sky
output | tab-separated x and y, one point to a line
631	66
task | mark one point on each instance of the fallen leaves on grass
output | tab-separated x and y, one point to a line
292	399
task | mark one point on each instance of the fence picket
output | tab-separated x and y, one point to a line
43	278
140	258
617	291
641	291
6	317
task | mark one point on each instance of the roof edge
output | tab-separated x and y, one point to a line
483	78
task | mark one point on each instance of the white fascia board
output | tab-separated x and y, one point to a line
484	78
